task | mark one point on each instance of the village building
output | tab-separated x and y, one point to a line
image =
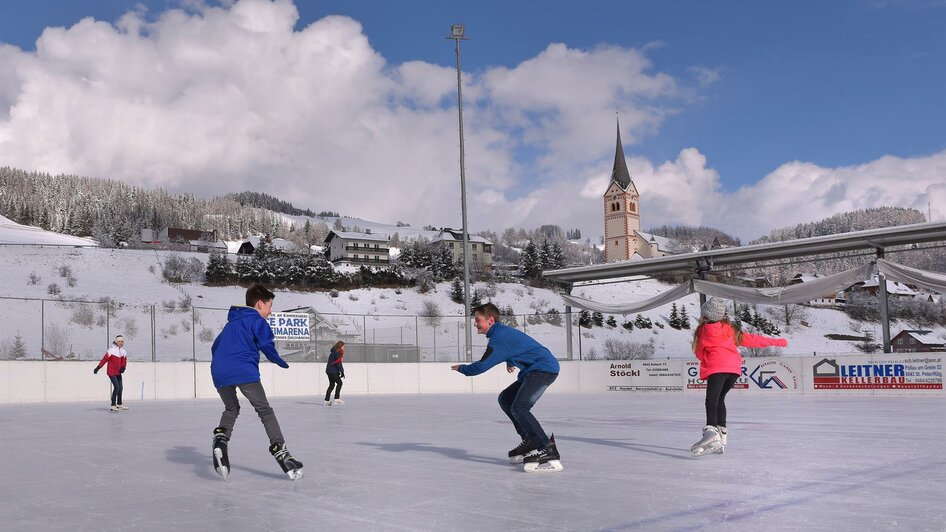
917	341
358	248
480	249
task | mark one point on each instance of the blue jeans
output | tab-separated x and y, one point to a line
517	401
116	388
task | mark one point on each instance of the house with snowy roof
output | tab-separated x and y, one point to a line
358	248
829	299
894	288
917	341
481	249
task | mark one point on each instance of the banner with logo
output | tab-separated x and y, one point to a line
875	373
693	382
644	376
290	325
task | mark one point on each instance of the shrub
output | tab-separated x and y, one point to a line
34	279
180	270
626	350
53	289
430	310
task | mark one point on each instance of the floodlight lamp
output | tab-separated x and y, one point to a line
456	31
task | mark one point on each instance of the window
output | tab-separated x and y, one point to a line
615	242
900	341
376	246
632	207
474	248
912	341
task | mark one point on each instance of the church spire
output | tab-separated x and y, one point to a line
619	172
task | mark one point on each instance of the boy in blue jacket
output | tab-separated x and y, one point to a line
537	370
235	364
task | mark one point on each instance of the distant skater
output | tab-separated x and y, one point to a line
538	369
335	372
117	361
235	364
715	343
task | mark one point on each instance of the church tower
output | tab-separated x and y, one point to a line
622	219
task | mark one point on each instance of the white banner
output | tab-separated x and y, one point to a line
896	372
290	325
644	376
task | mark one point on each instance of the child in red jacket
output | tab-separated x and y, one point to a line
715	343
117	361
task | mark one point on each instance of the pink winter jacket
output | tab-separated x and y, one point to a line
716	348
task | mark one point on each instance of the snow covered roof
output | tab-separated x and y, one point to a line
14	233
893	287
283	244
349	235
805	277
924	337
663	243
446	236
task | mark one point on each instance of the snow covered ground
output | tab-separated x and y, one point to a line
436	462
133	278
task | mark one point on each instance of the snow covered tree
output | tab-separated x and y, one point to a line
219	268
475	300
530	265
456	291
18	350
584	319
674	317
553	317
684	320
597	318
611	322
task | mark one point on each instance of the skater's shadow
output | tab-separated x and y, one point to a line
449	452
623	444
202	463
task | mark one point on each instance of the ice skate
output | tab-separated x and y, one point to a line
327	402
544	461
289	465
338	402
122	407
113	409
522	450
722	440
221	460
709	444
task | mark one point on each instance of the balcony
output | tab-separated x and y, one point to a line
365	249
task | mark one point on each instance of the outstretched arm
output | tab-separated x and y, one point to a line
266	342
757	340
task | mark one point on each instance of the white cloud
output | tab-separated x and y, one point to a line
704	75
221	99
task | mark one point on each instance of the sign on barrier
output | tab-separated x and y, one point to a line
644	376
694	382
290	325
911	371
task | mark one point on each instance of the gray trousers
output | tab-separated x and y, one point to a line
255	394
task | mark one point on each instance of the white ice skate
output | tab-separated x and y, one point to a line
722	439
221	461
290	466
338	402
327	403
709	443
551	466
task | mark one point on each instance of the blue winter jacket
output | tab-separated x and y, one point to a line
515	348
334	364
235	352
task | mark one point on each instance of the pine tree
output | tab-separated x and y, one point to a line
456	291
584	319
554	318
529	264
684	319
611	322
545	256
219	268
597	318
674	317
628	325
19	348
475	300
558	257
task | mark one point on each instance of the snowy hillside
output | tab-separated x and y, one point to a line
14	233
133	279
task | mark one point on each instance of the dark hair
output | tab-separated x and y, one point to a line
256	293
338	345
488	310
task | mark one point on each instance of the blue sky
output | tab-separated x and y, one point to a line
755	85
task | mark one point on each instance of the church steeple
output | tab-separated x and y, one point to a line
619	172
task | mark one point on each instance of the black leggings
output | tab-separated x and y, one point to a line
116	389
334	379
717	386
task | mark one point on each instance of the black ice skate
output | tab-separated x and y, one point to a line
289	465
219	450
544	461
526	448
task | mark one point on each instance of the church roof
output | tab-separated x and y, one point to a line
619	172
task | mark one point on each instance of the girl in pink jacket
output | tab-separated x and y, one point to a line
116	361
715	343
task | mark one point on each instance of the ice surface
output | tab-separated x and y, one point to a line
438	462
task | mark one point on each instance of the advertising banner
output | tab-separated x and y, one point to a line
773	375
644	376
900	371
693	382
290	325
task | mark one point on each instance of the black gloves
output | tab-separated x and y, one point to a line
97	368
123	370
343	375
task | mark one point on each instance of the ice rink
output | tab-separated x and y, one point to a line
438	462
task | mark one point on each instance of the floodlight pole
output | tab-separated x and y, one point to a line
456	33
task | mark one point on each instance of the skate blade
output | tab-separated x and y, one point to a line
518	459
294	474
701	451
551	466
221	470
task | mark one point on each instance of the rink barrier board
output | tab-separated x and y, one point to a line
836	375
